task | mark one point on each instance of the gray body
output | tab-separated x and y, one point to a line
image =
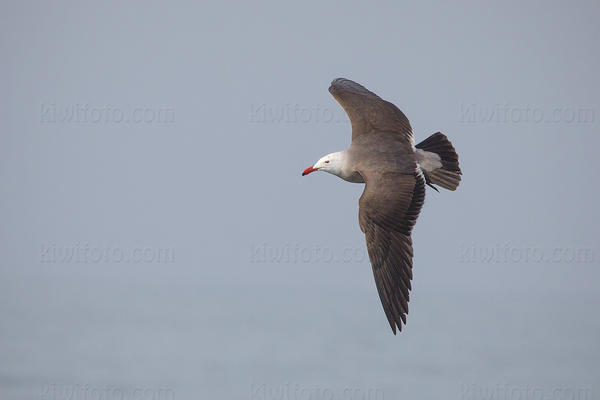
384	157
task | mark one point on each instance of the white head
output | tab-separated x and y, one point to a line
332	163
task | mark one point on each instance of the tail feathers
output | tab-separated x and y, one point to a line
446	179
439	162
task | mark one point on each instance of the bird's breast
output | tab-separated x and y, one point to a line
353	177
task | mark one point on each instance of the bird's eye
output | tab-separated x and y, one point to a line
326	161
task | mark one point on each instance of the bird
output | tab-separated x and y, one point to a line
395	171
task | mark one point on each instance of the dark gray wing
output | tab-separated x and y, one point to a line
369	113
388	210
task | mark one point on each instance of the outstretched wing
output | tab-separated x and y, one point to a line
369	113
389	207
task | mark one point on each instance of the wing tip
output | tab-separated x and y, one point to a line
340	85
397	325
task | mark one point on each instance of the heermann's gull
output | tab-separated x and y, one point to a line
383	155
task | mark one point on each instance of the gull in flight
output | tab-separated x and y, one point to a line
384	157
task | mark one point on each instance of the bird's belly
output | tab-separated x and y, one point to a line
354	177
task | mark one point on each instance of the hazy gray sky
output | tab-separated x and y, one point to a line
157	235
